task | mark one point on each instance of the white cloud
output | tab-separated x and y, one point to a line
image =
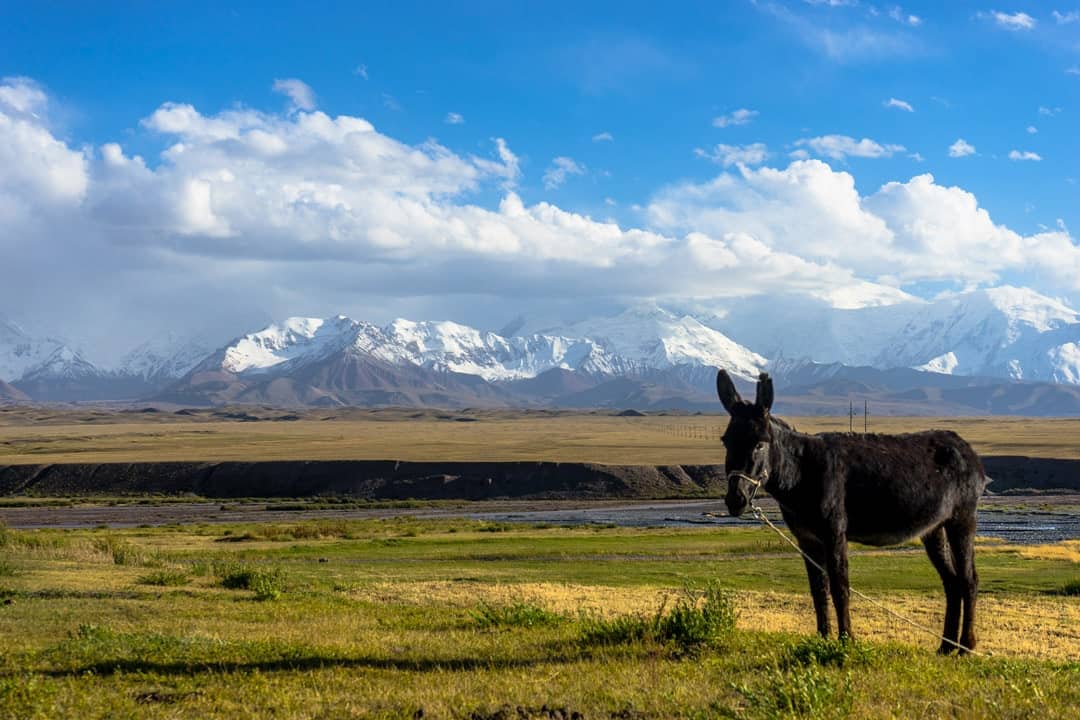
1074	70
1024	155
728	155
249	213
361	70
22	95
917	157
839	147
1066	18
1049	112
610	202
453	118
603	137
558	171
899	104
906	232
898	14
961	148
1011	21
300	95
742	116
1032	130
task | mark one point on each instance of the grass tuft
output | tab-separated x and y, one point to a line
266	584
835	652
521	614
1071	588
165	578
698	618
801	692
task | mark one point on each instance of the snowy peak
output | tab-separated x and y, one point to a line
1025	307
165	357
294	339
23	356
653	337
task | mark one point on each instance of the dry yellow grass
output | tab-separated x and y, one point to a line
1009	626
653	440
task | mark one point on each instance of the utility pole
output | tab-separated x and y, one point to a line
851	416
866	416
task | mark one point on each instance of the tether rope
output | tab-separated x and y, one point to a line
760	515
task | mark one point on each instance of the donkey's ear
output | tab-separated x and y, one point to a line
764	398
729	396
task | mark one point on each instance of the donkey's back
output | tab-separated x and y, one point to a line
897	487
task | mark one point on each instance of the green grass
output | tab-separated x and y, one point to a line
382	619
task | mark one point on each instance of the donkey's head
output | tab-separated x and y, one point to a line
746	440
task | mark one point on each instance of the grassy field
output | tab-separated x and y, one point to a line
410	618
40	436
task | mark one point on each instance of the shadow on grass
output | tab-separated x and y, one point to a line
307	663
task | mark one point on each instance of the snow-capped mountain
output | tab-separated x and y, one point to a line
20	352
164	358
1004	332
439	346
652	338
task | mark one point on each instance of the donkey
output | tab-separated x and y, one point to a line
873	489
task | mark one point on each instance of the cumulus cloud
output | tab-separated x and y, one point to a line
728	155
300	94
1074	70
247	214
453	118
603	137
903	233
1024	155
1032	130
559	170
839	147
361	70
1066	18
961	148
899	104
742	116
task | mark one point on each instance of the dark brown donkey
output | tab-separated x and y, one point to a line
873	489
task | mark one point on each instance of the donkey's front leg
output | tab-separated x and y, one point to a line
837	564
819	582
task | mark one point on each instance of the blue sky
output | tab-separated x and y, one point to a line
643	103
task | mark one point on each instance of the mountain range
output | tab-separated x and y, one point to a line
1000	350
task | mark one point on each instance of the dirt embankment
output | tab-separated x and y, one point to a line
388	479
1019	472
376	479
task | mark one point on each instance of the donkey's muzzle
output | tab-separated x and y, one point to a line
738	496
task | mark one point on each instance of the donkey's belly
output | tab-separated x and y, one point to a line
893	521
891	536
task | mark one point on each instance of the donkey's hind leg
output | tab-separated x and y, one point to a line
937	547
961	533
819	582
